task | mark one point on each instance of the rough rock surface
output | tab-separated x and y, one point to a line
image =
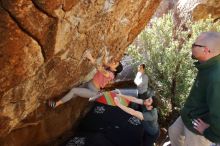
187	9
199	9
164	7
41	48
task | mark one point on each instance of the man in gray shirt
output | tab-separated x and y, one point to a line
141	80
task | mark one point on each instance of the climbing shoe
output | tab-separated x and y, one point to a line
51	104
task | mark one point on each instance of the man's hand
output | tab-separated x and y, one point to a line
200	125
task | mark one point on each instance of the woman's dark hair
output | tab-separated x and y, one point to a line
155	102
150	93
119	68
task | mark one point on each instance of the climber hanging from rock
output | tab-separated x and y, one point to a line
106	72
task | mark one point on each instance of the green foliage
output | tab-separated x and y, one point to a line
166	51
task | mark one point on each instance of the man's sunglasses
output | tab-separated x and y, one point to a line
196	45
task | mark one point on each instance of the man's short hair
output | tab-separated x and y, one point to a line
143	65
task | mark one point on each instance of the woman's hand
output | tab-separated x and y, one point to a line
200	125
117	102
88	55
117	91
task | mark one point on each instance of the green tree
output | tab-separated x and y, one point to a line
166	50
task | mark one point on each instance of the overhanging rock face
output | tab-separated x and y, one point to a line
41	48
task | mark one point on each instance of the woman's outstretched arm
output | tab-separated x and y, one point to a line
99	67
131	98
128	110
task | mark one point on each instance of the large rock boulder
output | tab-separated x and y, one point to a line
41	48
199	9
189	9
164	7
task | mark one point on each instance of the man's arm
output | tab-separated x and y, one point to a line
138	79
213	101
128	110
141	79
